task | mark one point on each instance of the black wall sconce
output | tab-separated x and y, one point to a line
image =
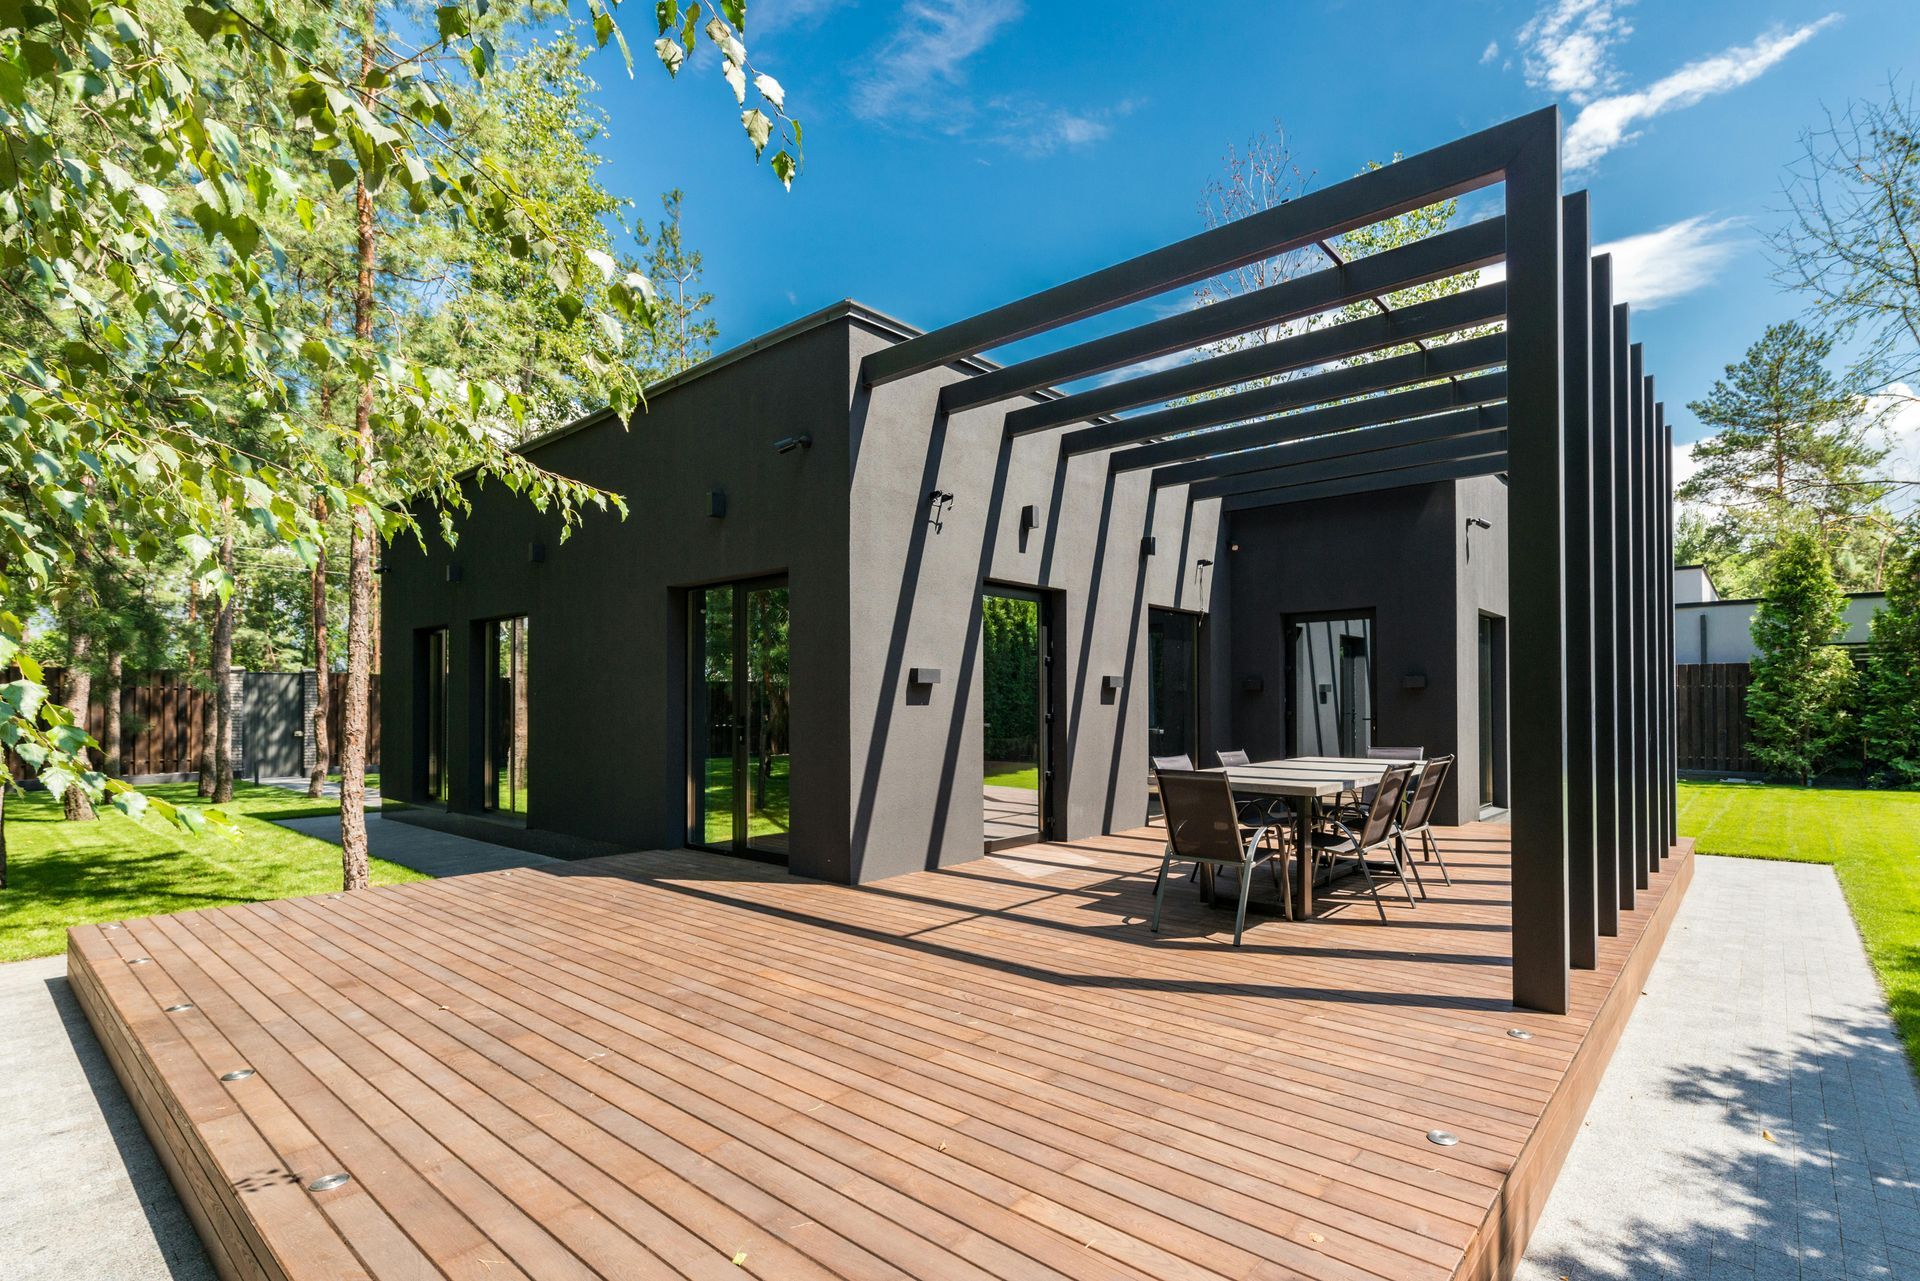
787	444
537	553
1110	684
1414	680
453	573
1149	545
1204	563
717	503
939	503
1474	522
923	676
1029	518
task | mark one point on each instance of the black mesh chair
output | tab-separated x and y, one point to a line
1270	809
1377	831
1396	753
1356	801
1418	819
1204	827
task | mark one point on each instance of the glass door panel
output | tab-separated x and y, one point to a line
1332	694
1173	659
713	724
764	790
433	674
1013	722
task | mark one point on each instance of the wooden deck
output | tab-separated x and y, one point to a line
678	1064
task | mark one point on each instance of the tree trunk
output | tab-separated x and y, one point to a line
209	714
317	781
110	738
353	716
6	781
222	665
79	693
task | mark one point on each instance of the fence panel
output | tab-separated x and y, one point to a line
1711	725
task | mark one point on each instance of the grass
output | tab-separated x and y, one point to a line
1872	840
1027	776
62	874
773	818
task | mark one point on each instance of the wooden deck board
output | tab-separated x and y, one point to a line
678	1064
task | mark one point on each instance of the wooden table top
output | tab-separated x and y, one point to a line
1307	775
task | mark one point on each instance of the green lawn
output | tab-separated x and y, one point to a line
62	873
1027	776
1871	838
773	815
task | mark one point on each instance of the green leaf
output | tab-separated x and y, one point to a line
666	12
452	20
759	128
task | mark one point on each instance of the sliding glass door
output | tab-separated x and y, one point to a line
430	714
1331	702
1173	684
740	696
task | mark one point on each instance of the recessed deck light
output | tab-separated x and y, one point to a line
327	1182
238	1074
138	960
1442	1138
175	1009
1519	1034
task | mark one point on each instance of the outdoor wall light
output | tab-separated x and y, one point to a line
453	573
716	503
1111	684
1204	563
537	553
939	502
1474	522
923	676
1148	545
1029	518
787	444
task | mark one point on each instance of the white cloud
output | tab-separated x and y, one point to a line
1658	266
919	72
773	16
1038	128
1901	404
1683	465
1608	122
1490	53
1567	48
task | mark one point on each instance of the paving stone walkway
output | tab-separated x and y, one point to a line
1759	1119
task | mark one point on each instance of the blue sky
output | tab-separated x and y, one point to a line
964	152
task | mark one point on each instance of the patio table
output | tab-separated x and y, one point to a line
1303	781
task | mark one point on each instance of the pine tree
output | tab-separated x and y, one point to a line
683	334
1799	702
1890	698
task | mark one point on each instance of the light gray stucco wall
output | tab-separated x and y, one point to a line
1481	561
1722	631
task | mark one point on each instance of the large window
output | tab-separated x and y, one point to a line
506	717
741	696
1493	712
430	714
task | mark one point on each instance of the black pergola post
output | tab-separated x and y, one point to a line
1669	778
1606	684
1536	565
1583	928
1643	838
1657	810
1631	742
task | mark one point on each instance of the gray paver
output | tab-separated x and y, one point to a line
1759	1118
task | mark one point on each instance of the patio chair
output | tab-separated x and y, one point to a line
1418	819
1360	798
1396	753
1378	831
1204	827
1273	809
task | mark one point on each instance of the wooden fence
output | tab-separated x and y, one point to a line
1711	722
161	717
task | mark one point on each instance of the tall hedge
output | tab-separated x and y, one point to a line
1801	697
1890	697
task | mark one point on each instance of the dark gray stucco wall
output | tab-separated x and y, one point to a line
607	611
1394	555
916	751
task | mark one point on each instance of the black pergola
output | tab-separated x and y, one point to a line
1559	404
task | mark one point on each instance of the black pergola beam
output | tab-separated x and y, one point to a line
1367	412
1583	919
1434	318
1466	164
1479	444
1357	443
1371	482
1469	356
1606	695
1431	258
